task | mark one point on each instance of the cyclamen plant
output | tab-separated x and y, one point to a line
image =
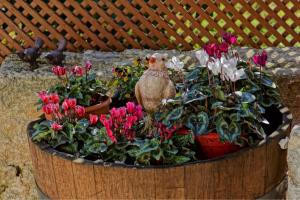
223	93
115	137
77	82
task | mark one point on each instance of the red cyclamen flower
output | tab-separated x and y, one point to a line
69	104
260	59
93	119
229	38
223	47
54	98
88	65
166	133
47	109
78	71
59	71
50	108
56	127
211	49
44	97
80	111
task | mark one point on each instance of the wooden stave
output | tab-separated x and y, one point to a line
180	181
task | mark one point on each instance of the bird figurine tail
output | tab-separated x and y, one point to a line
62	45
38	43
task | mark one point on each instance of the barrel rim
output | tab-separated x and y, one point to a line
279	133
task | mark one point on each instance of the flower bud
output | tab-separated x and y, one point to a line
56	127
93	119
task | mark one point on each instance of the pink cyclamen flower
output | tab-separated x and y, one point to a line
130	107
122	112
130	122
107	123
55	107
260	59
54	98
139	112
88	65
80	111
59	71
102	118
111	135
77	71
115	113
56	127
229	38
65	105
93	119
44	97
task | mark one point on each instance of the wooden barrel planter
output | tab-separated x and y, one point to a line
249	173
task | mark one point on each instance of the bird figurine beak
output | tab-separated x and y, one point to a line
152	60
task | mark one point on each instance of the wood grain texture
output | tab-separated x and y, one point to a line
46	175
84	180
276	164
255	164
64	177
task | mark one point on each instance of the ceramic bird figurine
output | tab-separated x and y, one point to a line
32	53
56	57
155	84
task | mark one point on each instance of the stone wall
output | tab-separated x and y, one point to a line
18	88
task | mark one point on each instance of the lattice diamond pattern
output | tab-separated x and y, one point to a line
114	25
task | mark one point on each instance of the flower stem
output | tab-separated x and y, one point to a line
260	70
208	74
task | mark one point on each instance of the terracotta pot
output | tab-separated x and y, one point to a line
212	147
101	108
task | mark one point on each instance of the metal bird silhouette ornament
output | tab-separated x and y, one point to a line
56	57
155	84
31	54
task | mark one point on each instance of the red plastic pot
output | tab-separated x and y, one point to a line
101	108
212	147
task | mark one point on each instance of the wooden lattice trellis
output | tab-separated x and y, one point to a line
120	24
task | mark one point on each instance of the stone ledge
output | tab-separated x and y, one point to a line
294	163
12	66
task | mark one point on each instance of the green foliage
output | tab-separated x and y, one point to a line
81	139
87	89
233	109
125	78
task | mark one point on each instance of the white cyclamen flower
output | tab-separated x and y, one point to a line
215	66
165	101
175	64
237	74
229	64
229	70
202	56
